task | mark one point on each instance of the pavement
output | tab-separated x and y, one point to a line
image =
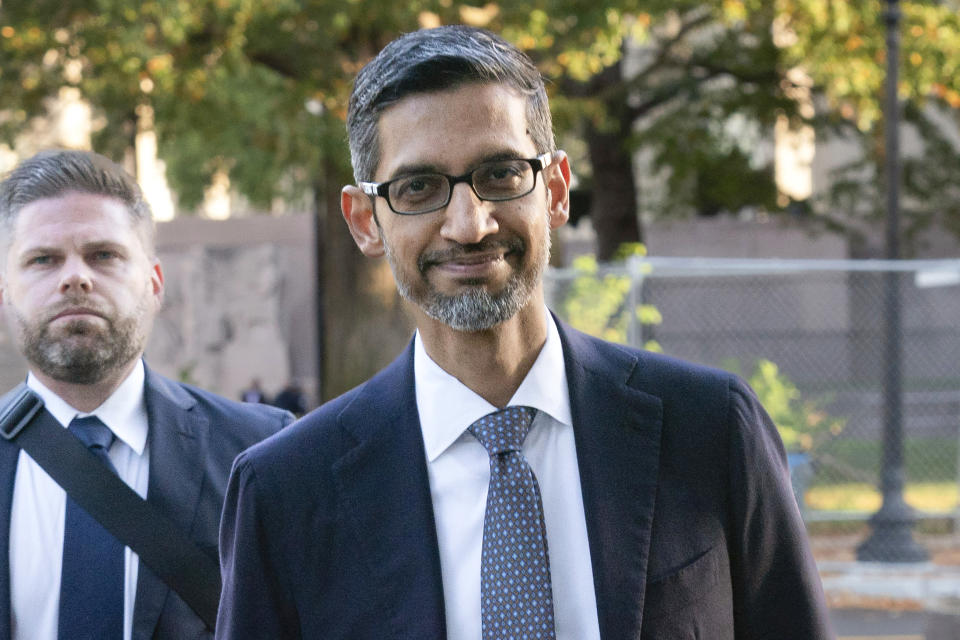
893	601
908	586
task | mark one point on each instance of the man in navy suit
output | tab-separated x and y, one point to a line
663	486
79	286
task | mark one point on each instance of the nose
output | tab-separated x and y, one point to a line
467	218
75	277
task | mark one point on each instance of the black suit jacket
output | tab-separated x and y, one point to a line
328	528
194	436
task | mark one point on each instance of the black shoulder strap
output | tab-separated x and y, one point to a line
161	545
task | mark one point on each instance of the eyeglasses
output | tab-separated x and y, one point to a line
495	181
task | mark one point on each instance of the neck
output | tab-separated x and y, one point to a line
87	397
491	363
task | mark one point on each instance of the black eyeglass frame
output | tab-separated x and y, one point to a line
382	189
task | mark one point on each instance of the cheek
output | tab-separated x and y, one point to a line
24	292
410	240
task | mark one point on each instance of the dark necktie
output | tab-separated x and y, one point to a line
91	582
516	600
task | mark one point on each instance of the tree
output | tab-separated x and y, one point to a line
258	89
695	66
842	47
704	66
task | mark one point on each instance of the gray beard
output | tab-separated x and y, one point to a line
83	355
476	309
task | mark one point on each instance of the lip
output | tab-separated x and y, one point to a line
76	312
471	264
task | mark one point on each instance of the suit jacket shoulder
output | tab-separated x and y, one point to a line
656	373
242	423
328	527
194	436
688	501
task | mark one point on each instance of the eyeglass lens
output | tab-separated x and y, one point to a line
497	180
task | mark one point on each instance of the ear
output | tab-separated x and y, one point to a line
357	210
156	282
557	179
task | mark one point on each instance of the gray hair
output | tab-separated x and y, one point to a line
432	60
52	173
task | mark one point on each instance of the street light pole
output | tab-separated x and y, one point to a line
891	539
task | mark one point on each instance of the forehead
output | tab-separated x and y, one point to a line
73	218
454	128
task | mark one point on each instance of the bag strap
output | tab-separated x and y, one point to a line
160	543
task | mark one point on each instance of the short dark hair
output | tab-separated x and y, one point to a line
52	173
432	60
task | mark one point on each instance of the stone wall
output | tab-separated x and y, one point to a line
239	303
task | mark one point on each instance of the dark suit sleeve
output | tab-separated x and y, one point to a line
777	589
256	601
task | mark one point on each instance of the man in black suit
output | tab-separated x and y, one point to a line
79	286
506	476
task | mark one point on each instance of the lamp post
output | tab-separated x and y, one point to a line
891	539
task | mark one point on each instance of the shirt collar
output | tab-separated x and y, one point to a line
124	412
447	406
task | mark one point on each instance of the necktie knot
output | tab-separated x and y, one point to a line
92	432
503	430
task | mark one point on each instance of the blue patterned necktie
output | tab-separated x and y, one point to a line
91	582
516	600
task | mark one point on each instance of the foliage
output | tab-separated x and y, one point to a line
802	422
259	89
696	76
254	88
600	302
841	45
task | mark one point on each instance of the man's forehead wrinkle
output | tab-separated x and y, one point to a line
488	120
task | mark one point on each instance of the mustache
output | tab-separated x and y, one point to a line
459	251
75	305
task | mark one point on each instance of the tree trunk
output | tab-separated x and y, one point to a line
361	316
613	206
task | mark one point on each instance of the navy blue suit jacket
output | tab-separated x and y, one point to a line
193	437
328	528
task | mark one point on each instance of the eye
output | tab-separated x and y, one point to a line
40	260
504	172
507	172
417	188
503	180
103	255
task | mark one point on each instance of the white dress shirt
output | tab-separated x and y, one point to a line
459	470
40	505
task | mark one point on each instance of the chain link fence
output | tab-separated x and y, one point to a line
826	345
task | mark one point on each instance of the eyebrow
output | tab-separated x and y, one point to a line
414	169
96	245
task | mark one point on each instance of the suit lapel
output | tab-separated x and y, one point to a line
385	489
178	441
617	434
